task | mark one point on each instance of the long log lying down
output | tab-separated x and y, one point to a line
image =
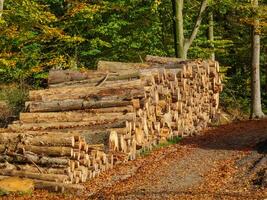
70	128
75	117
77	104
91	78
62	125
59	76
43	170
57	162
97	81
41	139
39	150
120	66
55	186
95	78
45	177
86	78
86	92
114	70
163	60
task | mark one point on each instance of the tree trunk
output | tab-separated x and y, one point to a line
1	7
175	28
180	27
183	44
211	35
266	71
256	109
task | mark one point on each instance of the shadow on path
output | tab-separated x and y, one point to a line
242	136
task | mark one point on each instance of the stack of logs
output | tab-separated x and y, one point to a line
87	120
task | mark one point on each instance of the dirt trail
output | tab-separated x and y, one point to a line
218	164
203	167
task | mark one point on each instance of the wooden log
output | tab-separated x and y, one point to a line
127	71
45	177
39	150
57	162
162	60
74	117
120	66
59	76
59	126
38	139
104	78
123	109
85	92
75	104
54	186
108	77
36	169
113	141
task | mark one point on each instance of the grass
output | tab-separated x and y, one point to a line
169	142
2	193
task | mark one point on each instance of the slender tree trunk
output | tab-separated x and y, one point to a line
265	49
182	45
266	76
256	109
211	35
175	28
179	28
1	7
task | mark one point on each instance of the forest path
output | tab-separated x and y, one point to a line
215	165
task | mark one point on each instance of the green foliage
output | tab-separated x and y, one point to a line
37	35
15	97
3	193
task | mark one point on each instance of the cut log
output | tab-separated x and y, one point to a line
113	141
59	162
40	139
39	150
45	177
75	117
58	126
86	92
162	60
74	104
119	66
59	76
54	186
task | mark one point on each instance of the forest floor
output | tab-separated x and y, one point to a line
227	162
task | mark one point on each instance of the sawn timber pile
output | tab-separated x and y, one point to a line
92	119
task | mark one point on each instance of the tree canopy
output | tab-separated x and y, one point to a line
37	35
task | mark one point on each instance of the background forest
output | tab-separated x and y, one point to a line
37	35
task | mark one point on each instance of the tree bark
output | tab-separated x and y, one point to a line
50	117
175	34
1	7
211	35
183	44
179	28
86	92
45	139
256	109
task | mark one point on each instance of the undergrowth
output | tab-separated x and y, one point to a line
14	97
168	142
